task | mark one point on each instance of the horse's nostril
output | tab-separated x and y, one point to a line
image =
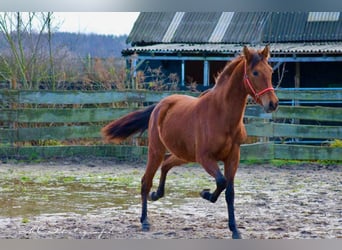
273	105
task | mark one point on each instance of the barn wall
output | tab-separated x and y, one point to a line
312	74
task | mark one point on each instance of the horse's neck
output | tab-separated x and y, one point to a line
231	96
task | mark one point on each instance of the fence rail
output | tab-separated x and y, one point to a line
32	117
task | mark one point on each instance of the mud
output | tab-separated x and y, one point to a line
92	199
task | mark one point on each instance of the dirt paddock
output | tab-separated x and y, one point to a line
100	199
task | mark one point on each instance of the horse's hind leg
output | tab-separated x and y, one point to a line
156	153
154	161
170	161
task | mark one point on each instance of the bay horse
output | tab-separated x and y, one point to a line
204	129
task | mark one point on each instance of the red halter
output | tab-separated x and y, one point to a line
256	95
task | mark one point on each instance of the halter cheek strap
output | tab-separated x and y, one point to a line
256	95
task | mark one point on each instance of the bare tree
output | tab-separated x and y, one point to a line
28	59
52	71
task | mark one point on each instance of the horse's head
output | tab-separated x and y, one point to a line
258	78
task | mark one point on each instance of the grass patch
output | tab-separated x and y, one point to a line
336	143
281	163
25	220
254	162
25	179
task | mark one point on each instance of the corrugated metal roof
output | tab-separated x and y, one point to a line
244	27
277	48
177	18
295	27
150	27
323	16
282	27
196	27
221	27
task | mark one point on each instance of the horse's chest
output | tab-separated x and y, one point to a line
236	137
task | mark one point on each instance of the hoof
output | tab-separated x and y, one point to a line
145	226
154	196
236	235
205	194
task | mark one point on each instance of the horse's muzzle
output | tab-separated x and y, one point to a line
271	106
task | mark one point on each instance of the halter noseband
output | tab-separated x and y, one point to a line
256	95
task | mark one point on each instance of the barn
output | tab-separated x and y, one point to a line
188	49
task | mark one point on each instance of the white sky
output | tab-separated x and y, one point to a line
107	23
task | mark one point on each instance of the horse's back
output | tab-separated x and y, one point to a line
180	105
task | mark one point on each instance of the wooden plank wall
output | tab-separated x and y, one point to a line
38	116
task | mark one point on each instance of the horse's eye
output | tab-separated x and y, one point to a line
255	73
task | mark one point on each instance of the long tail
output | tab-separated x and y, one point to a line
132	123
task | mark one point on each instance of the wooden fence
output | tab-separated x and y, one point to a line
47	124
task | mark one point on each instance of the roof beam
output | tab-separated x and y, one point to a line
229	57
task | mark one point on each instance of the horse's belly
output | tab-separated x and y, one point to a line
179	144
178	138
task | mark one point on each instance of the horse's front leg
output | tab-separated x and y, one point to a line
231	214
221	182
230	168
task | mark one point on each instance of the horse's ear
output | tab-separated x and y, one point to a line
266	52
246	52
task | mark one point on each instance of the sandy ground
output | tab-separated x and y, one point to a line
295	202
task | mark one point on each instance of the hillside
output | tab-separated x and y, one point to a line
102	46
80	45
